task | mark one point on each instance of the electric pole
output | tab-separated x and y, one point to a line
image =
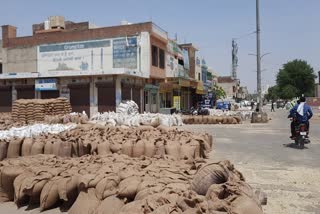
259	101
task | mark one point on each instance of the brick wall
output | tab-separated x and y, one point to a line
156	72
69	36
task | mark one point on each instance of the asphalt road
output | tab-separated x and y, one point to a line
290	177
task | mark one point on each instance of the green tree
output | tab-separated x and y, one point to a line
273	93
294	79
220	93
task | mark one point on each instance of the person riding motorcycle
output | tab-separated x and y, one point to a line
301	113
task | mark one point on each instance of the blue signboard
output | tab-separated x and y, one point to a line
125	53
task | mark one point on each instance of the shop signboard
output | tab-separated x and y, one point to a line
176	102
45	84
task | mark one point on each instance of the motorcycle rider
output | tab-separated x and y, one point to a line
302	113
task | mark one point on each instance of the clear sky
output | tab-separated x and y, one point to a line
290	28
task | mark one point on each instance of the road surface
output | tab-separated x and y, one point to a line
290	177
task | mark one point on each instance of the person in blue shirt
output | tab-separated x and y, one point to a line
302	113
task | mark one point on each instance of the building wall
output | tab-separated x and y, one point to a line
228	88
157	72
17	60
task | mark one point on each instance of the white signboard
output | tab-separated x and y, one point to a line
75	56
45	84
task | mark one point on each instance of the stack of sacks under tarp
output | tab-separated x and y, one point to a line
31	110
205	119
118	184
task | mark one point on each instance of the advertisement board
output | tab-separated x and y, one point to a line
125	53
74	56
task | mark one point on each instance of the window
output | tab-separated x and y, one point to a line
0	68
155	56
161	58
199	78
180	62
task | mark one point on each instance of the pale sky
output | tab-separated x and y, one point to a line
290	28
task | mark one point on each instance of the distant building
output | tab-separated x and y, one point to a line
229	85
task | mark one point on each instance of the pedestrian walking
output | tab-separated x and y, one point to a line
272	106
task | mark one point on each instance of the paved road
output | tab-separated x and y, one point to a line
291	177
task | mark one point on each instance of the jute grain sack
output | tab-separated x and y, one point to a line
138	148
14	148
208	175
49	195
135	207
160	149
3	149
245	205
107	187
238	119
8	174
19	183
65	149
86	203
149	148
230	120
187	152
68	188
56	147
110	205
127	148
115	147
104	148
173	149
48	148
128	187
234	121
37	148
26	146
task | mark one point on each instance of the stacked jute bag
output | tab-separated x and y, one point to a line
206	119
90	139
31	110
118	184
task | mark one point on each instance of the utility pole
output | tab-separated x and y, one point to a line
234	58
259	101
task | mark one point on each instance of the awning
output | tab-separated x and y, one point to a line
184	83
166	87
200	88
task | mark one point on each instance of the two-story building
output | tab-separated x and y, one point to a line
94	67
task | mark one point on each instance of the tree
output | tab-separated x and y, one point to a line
294	79
273	93
220	93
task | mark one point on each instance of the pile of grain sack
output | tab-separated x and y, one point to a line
74	117
6	121
118	184
243	114
94	139
127	114
31	110
199	119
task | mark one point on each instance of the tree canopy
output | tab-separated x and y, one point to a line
294	79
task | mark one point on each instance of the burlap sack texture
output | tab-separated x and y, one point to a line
119	184
31	110
206	119
94	139
6	122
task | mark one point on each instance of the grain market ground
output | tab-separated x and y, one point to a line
290	177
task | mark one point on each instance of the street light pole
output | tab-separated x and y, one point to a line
259	101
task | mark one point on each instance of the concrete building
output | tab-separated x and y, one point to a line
94	67
229	85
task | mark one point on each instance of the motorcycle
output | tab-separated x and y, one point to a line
301	134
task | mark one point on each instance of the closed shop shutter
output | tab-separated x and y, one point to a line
80	97
5	98
136	95
50	94
126	91
106	96
25	91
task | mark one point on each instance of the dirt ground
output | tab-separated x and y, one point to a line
290	177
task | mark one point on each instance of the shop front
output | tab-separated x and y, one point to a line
151	98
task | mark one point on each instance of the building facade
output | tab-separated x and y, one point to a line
95	68
229	85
